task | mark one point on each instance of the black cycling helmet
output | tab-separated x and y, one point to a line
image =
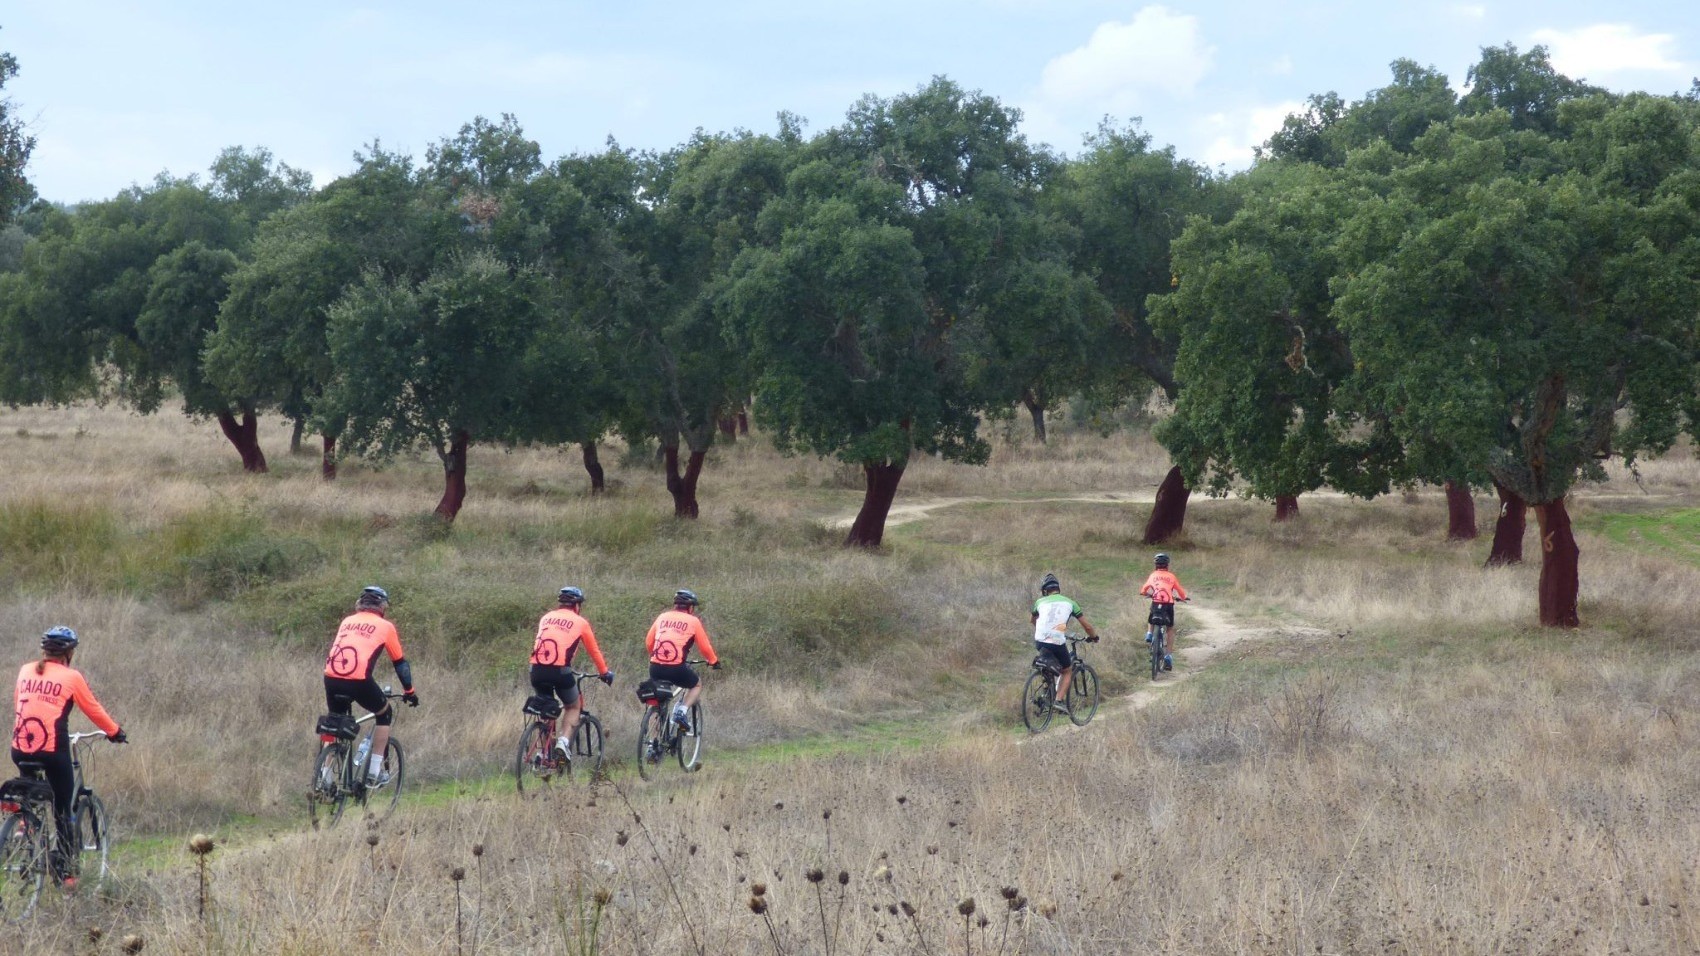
373	596
59	640
1162	560
573	596
1049	583
684	598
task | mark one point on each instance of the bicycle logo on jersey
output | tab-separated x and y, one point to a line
667	652
344	661
548	652
30	735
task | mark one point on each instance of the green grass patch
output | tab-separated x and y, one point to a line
1671	533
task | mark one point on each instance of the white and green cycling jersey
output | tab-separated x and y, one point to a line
1051	616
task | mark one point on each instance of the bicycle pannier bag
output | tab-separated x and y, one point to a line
340	726
1163	614
546	707
649	691
24	790
1044	663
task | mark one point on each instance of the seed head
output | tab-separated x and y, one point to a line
814	875
932	850
778	804
621	837
477	849
200	844
843	877
758	905
457	874
983	921
1048	908
1117	876
759	889
371	839
908	910
132	943
966	907
1017	904
95	933
1010	892
602	896
826	814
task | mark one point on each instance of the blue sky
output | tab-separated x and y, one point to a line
117	92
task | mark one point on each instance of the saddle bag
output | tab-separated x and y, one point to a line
25	790
1045	663
340	726
650	691
1163	614
546	707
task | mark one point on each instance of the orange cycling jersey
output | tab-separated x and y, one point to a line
673	634
355	651
1163	587
558	637
43	704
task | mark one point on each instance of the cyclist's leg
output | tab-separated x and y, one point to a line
371	696
571	705
64	782
1063	680
1057	654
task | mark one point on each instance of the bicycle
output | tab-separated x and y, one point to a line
1041	690
339	770
27	835
540	758
659	735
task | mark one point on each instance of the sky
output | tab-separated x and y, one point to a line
117	92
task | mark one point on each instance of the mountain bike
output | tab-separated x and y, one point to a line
540	757
27	833
659	735
1041	690
339	770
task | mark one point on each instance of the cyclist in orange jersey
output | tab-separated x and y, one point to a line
348	671
669	643
1164	589
47	690
559	635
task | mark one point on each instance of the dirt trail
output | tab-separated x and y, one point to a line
923	507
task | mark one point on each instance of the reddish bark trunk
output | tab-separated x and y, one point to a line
1560	580
1168	512
245	435
1507	545
743	423
593	465
1460	513
683	486
327	458
881	488
1286	507
454	476
728	428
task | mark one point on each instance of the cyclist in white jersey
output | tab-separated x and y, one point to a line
1051	614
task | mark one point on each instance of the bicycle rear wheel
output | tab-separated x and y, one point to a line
381	800
23	863
92	837
1083	694
1159	635
1036	697
327	795
535	761
587	746
652	740
690	742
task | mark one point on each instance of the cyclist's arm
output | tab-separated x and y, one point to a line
84	698
1180	592
706	647
594	651
649	643
403	670
1086	625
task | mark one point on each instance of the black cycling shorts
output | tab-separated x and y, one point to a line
1058	653
674	674
366	693
1163	614
559	681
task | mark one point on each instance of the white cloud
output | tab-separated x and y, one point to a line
1598	51
1233	135
1469	11
1157	50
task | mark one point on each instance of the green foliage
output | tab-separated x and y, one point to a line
46	542
15	147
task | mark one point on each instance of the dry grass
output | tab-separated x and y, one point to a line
1436	777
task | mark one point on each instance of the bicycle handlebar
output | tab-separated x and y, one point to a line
87	735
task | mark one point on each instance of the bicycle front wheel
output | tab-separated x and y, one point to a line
652	740
23	863
587	746
1036	699
381	800
690	742
1083	694
1159	635
534	761
327	795
92	837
